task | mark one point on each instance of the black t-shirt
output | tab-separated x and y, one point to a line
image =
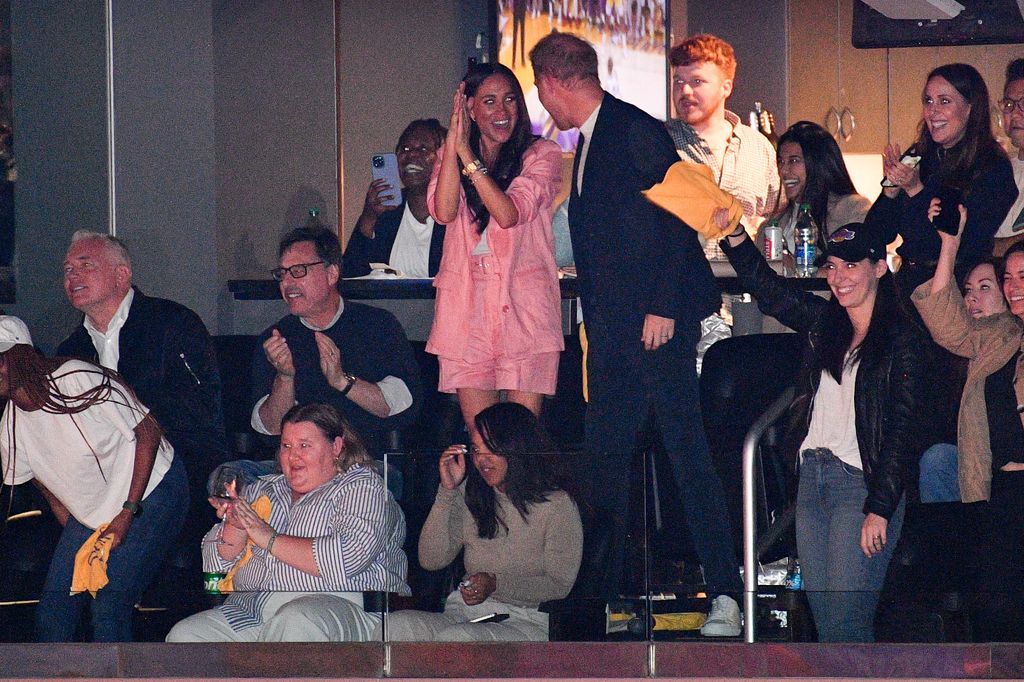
1005	432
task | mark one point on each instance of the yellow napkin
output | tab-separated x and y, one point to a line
262	509
90	572
690	193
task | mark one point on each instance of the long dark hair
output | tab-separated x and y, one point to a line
535	468
36	378
825	168
510	159
888	315
960	165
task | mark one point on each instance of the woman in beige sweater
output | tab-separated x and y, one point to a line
990	431
520	530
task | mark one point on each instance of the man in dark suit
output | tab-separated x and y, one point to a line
645	286
160	348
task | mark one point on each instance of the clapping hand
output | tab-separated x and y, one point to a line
278	354
907	178
459	127
330	361
243	516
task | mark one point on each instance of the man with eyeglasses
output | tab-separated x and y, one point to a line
162	350
352	356
1012	109
405	237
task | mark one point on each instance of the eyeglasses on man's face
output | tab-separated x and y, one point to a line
297	271
1007	105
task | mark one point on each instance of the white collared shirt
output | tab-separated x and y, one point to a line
107	344
587	130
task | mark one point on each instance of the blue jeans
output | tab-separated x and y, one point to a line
842	584
131	568
939	471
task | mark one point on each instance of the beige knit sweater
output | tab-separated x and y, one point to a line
535	560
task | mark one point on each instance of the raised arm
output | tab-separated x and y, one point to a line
775	295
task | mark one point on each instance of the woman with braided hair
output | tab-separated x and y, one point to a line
78	432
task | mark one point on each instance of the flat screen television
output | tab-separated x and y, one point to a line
630	36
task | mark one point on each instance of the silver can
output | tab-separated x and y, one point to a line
774	242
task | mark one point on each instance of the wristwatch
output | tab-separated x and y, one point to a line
134	507
351	382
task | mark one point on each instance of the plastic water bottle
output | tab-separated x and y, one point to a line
794	580
774	242
805	234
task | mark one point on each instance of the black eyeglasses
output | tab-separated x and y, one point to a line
297	271
1008	105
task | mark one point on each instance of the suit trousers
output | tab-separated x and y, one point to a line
624	387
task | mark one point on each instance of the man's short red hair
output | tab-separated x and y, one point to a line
705	48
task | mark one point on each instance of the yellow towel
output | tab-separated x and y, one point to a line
227	583
690	193
90	572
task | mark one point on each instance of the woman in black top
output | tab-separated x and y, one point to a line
959	157
853	422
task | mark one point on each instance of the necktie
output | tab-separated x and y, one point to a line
576	164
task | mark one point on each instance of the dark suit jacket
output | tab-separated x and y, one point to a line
632	257
361	251
157	340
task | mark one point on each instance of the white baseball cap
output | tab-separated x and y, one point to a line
12	332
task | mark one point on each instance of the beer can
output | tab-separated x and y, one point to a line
773	241
211	582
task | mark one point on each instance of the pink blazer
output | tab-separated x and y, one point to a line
525	253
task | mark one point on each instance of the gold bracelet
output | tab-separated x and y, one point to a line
482	170
472	167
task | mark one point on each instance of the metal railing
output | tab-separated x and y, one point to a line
750	444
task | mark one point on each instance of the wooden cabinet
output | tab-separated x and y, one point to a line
880	87
831	82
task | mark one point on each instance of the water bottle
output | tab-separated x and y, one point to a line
805	234
774	242
794	580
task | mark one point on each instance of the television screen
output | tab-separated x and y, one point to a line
630	36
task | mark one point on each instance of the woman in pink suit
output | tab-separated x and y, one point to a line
497	325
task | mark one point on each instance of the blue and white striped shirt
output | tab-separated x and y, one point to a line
357	530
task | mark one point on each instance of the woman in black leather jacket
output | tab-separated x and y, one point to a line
853	420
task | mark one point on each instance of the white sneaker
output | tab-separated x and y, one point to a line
724	620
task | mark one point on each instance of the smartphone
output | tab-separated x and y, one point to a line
948	220
910	158
489	618
385	166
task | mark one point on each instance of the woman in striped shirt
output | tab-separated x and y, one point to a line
332	531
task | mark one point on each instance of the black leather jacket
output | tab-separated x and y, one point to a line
887	393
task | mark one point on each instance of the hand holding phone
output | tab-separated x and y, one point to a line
948	218
385	167
910	158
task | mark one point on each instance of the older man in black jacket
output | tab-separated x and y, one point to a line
160	348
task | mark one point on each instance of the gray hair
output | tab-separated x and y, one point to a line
114	246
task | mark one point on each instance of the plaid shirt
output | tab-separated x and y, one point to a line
749	171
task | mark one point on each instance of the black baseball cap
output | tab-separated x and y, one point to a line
853	243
